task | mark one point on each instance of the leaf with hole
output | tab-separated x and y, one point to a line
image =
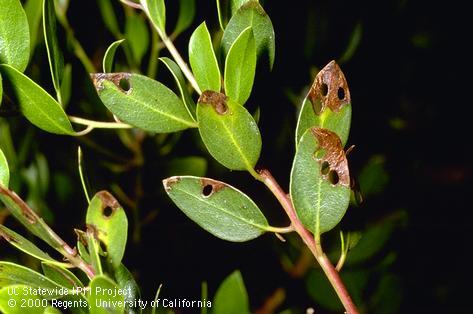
229	132
231	296
35	103
109	57
4	170
240	67
61	276
108	220
137	36
55	57
320	181
14	35
186	16
142	102
156	11
203	61
251	14
14	298
217	207
98	297
327	105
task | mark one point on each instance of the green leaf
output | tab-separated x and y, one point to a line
14	298
13	274
353	43
181	84
327	105
127	283
231	297
240	66
4	170
108	16
108	219
102	302
186	16
56	59
191	165
320	181
33	10
61	276
142	102
14	35
137	35
36	105
217	207
156	11
110	56
203	61
373	176
51	310
66	85
228	131
251	14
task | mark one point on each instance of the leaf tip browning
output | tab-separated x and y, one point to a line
120	79
108	202
170	182
217	100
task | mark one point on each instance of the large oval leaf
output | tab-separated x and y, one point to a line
14	35
203	61
109	222
219	208
142	102
328	104
240	66
320	180
251	13
35	103
231	296
4	170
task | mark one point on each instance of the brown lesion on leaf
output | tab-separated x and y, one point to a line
109	203
330	89
210	186
6	236
333	164
120	79
169	183
26	211
217	100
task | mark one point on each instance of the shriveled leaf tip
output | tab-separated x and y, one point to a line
170	182
120	79
332	158
217	100
330	89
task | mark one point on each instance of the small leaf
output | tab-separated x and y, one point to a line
61	276
108	16
327	105
156	11
203	61
320	181
137	35
353	44
33	10
251	14
66	85
240	66
56	59
127	283
36	105
109	222
231	297
181	84
4	170
14	298
186	16
14	35
219	208
109	56
373	176
101	302
142	102
228	131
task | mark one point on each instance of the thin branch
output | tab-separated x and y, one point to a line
99	124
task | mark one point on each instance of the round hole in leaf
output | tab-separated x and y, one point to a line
207	190
324	89
124	84
333	177
107	212
341	93
325	168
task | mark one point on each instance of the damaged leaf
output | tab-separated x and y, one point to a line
217	207
228	131
142	102
4	170
327	105
108	220
320	180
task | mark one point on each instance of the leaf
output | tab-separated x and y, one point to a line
66	85
98	300
156	11
137	35
353	44
327	105
235	5
217	207
109	222
373	177
13	300
240	67
142	102
51	310
127	283
203	61
4	170
33	10
186	16
181	84
320	181
108	16
191	165
61	276
231	297
228	131
13	274
56	59
14	35
109	56
36	105
251	13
